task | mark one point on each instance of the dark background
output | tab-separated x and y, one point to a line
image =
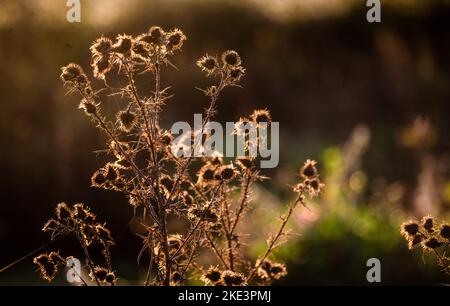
322	70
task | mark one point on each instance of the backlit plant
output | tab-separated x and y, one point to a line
141	166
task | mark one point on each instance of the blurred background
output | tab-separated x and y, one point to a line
369	102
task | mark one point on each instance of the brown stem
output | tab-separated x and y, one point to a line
191	257
243	202
200	220
209	115
165	237
274	239
88	257
216	251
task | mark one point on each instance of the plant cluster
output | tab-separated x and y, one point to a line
431	236
211	195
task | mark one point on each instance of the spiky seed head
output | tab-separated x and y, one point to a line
231	278
208	64
314	185
42	259
89	107
309	169
127	120
156	32
124	44
48	271
175	39
123	163
111	172
236	74
445	231
63	211
80	212
231	58
56	258
246	162
227	172
157	36
409	228
260	116
166	138
431	243
427	223
111	278
176	277
100	273
102	65
415	240
206	173
278	270
101	46
98	179
71	72
141	51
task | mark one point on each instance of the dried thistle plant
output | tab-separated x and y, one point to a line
431	236
143	168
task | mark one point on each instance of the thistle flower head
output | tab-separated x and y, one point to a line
260	116
231	58
212	275
127	120
206	174
63	211
99	273
102	65
309	169
166	138
175	40
42	259
445	231
80	212
246	162
431	244
111	173
101	47
56	258
73	73
415	241
427	223
227	173
98	179
278	271
208	64
124	44
236	73
141	50
89	107
157	36
314	186
48	271
409	229
110	278
230	278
